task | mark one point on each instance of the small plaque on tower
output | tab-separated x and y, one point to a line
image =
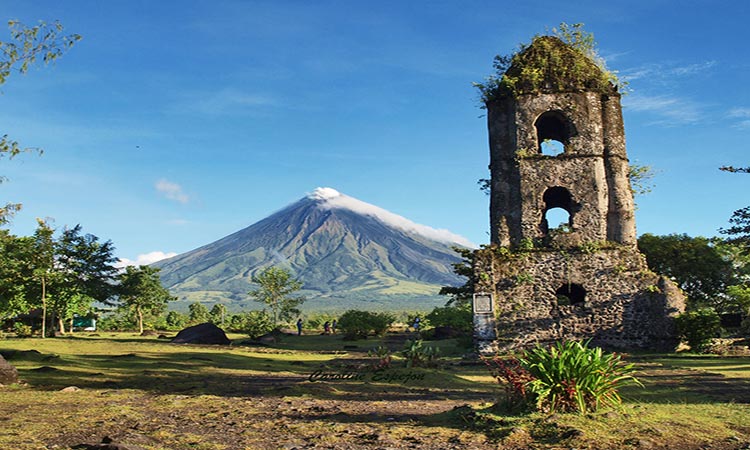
482	303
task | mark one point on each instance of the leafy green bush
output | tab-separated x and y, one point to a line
456	317
22	330
360	324
198	313
570	376
175	321
120	320
417	355
253	323
698	327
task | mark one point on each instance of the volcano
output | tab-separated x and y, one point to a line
347	253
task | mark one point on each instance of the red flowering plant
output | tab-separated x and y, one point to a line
513	377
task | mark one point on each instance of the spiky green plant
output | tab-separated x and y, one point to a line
417	354
571	376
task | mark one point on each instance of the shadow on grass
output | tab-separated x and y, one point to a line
669	385
236	375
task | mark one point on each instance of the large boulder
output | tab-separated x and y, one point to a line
204	333
8	373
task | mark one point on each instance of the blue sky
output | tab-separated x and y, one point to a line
172	124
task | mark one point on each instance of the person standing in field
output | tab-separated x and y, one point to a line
299	327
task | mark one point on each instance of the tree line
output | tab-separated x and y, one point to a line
63	274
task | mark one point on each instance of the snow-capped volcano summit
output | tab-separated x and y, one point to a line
336	245
333	199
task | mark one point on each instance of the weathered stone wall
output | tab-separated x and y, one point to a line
583	177
625	305
594	167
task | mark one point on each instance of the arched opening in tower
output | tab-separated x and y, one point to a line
559	208
570	294
557	218
553	132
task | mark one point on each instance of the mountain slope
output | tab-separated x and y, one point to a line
342	249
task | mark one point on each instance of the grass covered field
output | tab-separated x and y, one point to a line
319	392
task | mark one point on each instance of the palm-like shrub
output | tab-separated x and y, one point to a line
570	376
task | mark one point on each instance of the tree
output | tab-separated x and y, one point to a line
739	232
698	327
275	287
696	264
461	295
175	320
43	260
359	324
198	313
16	274
641	179
218	314
86	272
43	41
140	290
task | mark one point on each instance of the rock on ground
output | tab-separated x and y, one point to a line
205	333
8	373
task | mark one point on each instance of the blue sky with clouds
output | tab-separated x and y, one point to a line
174	123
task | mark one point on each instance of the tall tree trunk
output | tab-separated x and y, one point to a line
71	325
44	308
61	324
140	319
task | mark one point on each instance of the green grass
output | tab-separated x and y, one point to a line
168	396
728	367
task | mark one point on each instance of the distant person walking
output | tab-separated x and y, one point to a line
299	327
327	327
333	326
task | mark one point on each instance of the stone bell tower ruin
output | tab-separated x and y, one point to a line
582	277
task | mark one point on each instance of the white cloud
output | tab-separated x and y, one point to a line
172	191
225	101
672	110
331	198
145	259
743	114
665	71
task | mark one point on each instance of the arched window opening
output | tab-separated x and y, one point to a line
557	218
553	132
552	148
559	209
570	294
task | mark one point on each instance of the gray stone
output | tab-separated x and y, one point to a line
8	373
